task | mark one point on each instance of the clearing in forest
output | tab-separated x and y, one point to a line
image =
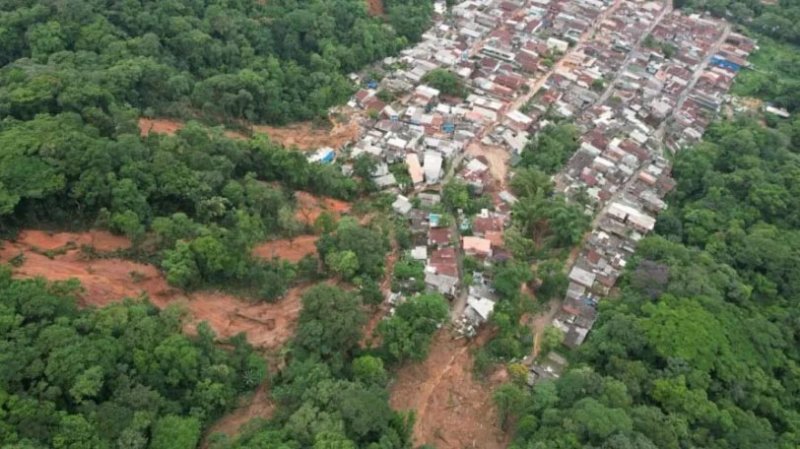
291	250
58	257
259	405
375	8
307	136
310	207
303	136
453	409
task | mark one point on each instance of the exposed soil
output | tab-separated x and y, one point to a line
303	136
454	411
47	241
498	159
106	280
310	207
259	405
539	323
375	8
306	136
288	249
159	126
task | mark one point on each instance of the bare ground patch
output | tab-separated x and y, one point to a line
107	280
454	411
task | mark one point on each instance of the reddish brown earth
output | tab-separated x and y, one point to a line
307	136
159	126
106	280
310	207
375	8
454	411
259	405
303	136
288	249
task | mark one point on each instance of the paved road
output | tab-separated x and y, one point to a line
660	133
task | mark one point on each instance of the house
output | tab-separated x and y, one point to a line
419	253
414	168
432	167
443	284
429	200
582	277
479	309
385	181
549	368
443	261
476	246
439	237
557	44
402	205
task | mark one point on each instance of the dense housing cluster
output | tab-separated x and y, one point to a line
636	78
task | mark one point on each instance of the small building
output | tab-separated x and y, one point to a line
479	309
324	155
429	200
432	167
557	44
402	205
419	253
414	168
582	277
443	284
476	246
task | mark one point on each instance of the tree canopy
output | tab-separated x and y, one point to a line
701	348
120	376
276	61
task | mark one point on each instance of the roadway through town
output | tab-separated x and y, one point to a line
636	47
660	133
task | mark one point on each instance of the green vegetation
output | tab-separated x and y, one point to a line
273	61
778	20
551	148
407	334
205	198
456	195
121	376
544	224
667	49
776	74
446	81
409	276
354	250
327	398
706	355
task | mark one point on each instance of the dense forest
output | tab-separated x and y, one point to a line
223	60
778	19
701	347
120	377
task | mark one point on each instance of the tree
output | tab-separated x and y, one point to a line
182	270
455	195
551	339
343	263
446	81
369	370
329	325
510	400
174	432
408	333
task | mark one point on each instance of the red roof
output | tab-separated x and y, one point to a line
482	225
439	236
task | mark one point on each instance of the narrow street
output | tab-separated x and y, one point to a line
634	50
